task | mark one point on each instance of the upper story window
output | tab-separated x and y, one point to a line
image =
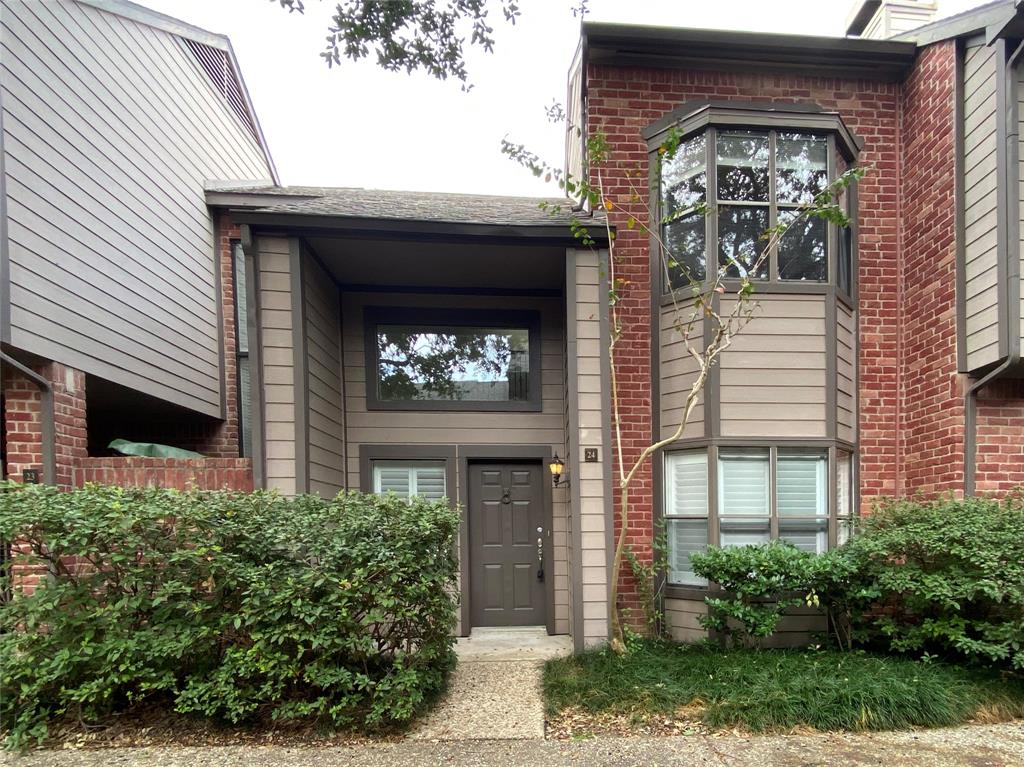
734	178
451	360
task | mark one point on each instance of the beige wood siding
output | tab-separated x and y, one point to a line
575	122
274	260
979	184
682	619
773	376
465	428
323	373
110	129
678	372
585	383
846	373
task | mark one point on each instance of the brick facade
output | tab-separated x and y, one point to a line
201	474
621	103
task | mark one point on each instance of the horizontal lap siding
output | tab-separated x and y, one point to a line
110	131
797	627
682	619
277	356
323	372
773	375
980	217
589	433
546	428
846	374
678	371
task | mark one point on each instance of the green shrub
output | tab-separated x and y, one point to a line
230	605
759	582
945	576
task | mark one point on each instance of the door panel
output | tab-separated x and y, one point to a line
505	509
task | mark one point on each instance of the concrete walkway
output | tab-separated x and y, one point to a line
977	746
495	691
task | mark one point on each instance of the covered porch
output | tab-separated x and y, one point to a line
445	346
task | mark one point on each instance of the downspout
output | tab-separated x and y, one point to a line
48	429
1013	307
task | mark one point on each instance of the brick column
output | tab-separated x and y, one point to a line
23	422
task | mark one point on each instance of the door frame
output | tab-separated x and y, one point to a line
505	454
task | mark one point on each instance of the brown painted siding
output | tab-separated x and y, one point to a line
982	271
323	368
846	373
773	375
678	371
110	130
273	256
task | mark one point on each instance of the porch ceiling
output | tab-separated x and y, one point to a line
357	263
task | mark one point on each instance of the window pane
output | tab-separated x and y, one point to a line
844	482
740	240
844	260
743	483
801	166
241	302
686	484
244	405
408	478
685	536
742	159
801	482
743	532
802	247
844	531
453	364
809	535
684	178
685	245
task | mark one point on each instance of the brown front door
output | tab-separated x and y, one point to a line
506	521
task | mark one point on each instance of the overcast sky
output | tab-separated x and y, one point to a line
355	125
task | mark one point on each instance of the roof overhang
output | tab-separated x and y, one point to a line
694	116
412	230
679	48
995	20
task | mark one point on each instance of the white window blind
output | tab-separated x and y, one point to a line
744	500
409	478
686	511
801	484
844	496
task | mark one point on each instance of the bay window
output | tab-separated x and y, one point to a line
733	177
761	494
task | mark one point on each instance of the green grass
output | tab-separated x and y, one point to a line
772	690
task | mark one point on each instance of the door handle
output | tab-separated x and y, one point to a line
540	554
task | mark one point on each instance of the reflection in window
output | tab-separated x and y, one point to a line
454	364
741	241
802	247
683	187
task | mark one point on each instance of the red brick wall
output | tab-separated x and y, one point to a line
621	102
1000	455
23	421
932	415
201	474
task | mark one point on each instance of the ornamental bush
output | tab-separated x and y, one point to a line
947	578
228	605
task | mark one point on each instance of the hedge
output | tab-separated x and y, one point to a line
229	605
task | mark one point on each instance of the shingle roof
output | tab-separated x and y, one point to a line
437	207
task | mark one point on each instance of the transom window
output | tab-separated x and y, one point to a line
472	361
758	180
410	478
760	497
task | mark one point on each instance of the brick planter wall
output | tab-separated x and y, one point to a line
200	473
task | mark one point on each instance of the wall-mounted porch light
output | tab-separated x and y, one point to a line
557	468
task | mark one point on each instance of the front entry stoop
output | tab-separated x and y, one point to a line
495	691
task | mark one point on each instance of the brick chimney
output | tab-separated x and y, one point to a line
882	19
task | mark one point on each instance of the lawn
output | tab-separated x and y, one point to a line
778	690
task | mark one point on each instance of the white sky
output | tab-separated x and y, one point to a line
356	125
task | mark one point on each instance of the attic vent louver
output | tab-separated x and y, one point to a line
218	68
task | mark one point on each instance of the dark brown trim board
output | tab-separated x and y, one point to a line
377	315
256	396
1003	194
958	197
5	263
505	453
218	292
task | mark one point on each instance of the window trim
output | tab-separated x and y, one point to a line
374	316
707	117
242	414
830	447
